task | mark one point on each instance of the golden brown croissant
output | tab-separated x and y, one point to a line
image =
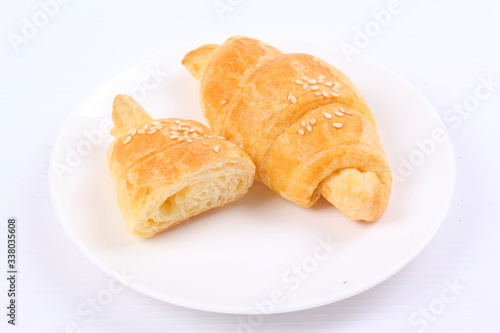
168	170
302	121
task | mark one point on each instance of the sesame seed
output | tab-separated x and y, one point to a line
299	82
141	131
327	115
189	140
304	86
177	121
305	78
341	109
335	93
315	87
324	93
289	96
347	112
303	123
186	132
337	125
145	127
200	131
317	93
309	128
312	81
221	137
198	138
320	80
184	124
216	149
181	138
173	128
127	140
132	131
174	136
223	102
152	131
312	121
336	85
301	131
155	122
159	127
209	136
175	132
339	114
205	143
328	83
241	147
321	77
195	135
293	99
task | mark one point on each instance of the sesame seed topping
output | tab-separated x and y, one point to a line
312	81
127	140
336	85
320	80
174	136
337	125
175	132
155	122
216	149
152	131
317	93
315	87
324	93
305	78
328	83
309	128
132	131
301	131
181	138
173	128
223	102
312	121
195	135
189	140
159	127
184	124
221	137
303	123
335	93
293	99
205	143
200	131
177	121
289	96
141	131
339	114
299	82
321	77
304	86
145	127
341	109
327	115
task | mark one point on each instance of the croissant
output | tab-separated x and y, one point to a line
302	121
167	170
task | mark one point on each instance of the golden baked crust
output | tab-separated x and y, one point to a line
167	170
302	121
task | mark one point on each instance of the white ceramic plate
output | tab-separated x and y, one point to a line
261	253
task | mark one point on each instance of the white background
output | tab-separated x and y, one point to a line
444	48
